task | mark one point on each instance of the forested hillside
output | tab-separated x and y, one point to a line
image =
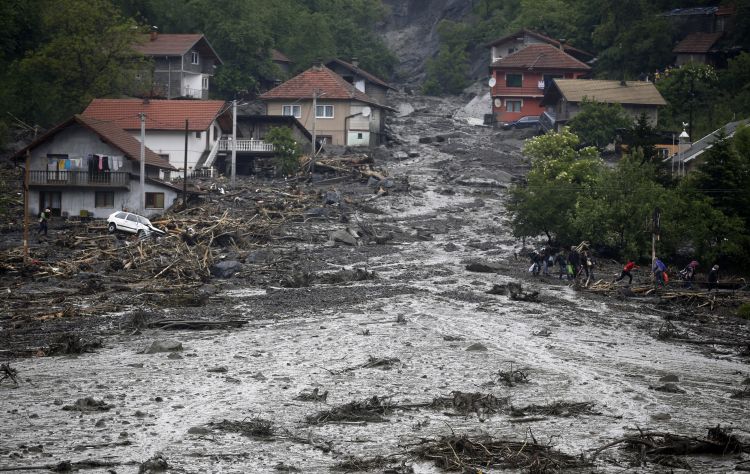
56	55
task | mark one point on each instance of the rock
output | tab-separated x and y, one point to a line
199	430
373	182
314	212
484	267
669	378
88	404
425	140
218	370
259	377
174	356
158	463
343	236
451	247
661	416
669	388
263	256
100	423
225	269
140	414
331	197
477	347
413	153
746	381
400	155
164	346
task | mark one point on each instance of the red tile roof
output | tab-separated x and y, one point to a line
109	133
697	43
541	37
160	114
174	45
540	56
327	83
361	72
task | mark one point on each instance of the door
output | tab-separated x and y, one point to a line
51	200
132	223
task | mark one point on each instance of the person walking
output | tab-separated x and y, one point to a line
713	279
688	273
589	265
629	267
560	260
574	261
659	268
43	218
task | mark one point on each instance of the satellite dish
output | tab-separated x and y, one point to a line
492	82
498	103
366	111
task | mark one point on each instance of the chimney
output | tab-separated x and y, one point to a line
154	33
562	44
355	62
318	64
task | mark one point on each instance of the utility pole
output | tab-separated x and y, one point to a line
26	210
656	229
184	178
234	142
314	147
143	162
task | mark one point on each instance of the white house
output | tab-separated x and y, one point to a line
85	166
165	122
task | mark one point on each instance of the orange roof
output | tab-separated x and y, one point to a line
160	114
541	37
174	44
109	133
320	79
697	43
540	56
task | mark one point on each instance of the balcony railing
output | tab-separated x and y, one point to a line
104	179
246	145
195	93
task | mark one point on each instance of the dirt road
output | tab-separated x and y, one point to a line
425	327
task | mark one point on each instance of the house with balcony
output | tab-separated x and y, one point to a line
183	65
342	114
167	123
90	167
362	80
563	98
518	40
519	79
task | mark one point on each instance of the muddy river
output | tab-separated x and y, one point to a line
424	328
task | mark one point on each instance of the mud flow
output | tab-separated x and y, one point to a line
380	319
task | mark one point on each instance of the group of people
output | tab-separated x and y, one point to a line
661	277
572	265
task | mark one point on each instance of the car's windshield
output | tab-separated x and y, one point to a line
144	221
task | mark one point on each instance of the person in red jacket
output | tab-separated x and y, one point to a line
626	272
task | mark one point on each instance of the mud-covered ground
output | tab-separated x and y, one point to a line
423	328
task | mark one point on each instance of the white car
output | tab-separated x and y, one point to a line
132	223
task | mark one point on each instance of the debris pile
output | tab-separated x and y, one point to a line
371	410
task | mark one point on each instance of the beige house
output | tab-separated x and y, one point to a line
563	98
343	114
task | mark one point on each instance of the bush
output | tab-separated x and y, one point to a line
744	311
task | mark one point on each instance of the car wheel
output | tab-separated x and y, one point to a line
141	233
112	227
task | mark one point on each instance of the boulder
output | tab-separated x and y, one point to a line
226	269
342	236
164	346
484	267
477	347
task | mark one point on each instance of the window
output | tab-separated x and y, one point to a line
324	111
513	105
194	58
359	136
293	110
511	50
197	135
205	82
513	80
154	200
104	199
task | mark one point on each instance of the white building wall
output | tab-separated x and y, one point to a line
172	143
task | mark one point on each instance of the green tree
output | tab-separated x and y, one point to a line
560	173
724	178
735	83
86	52
447	72
550	17
691	92
597	123
286	150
